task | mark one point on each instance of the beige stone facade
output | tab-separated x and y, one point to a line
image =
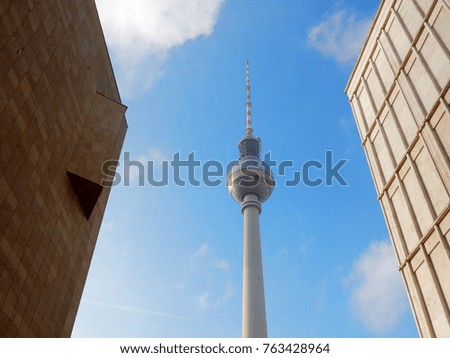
61	117
399	91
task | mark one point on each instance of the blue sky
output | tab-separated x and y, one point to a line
168	260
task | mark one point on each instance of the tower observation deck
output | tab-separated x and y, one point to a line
250	182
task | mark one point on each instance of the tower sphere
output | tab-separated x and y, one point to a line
250	175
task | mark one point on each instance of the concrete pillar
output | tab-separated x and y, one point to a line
253	305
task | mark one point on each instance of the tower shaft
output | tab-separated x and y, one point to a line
253	304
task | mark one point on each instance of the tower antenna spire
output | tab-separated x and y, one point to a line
248	103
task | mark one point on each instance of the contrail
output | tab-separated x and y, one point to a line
132	309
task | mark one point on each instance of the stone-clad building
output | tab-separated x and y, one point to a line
61	117
399	91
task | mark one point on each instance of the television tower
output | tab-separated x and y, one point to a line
250	182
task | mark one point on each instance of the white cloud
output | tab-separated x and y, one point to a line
140	34
221	264
207	300
340	36
347	126
203	300
378	296
205	258
345	123
154	154
138	174
203	250
215	280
